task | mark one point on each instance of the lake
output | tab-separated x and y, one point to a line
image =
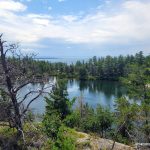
92	92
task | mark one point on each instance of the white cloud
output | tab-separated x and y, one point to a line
38	16
38	21
69	18
12	5
130	23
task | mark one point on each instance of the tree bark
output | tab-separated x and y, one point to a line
17	117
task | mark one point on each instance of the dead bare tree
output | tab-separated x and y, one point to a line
16	72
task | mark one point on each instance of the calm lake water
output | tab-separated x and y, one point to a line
92	92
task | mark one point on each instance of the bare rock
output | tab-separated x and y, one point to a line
87	142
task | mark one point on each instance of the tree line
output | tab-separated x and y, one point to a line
104	68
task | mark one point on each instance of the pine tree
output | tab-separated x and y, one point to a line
138	82
57	108
58	101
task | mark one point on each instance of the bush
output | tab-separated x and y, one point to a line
104	120
64	140
73	120
51	125
89	120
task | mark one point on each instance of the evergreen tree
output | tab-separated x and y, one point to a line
139	58
138	82
57	108
58	100
126	114
83	73
104	120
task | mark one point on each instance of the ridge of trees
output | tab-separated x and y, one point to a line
104	68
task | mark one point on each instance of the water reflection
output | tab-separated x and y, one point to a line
93	92
109	88
96	92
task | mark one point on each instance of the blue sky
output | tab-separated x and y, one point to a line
77	28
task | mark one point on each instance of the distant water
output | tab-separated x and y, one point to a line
63	60
91	92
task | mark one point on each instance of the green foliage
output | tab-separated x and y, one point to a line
126	110
51	124
104	119
7	132
64	140
5	105
3	96
105	68
126	115
57	108
121	139
89	120
30	116
137	82
57	102
73	120
83	73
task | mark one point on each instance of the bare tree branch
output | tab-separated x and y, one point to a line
16	72
27	107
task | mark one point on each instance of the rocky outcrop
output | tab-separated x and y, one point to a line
88	142
142	146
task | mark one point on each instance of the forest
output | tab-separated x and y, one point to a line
61	124
104	68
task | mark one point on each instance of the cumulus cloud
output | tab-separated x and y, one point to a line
130	23
69	18
11	5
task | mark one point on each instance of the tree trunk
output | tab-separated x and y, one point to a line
17	117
